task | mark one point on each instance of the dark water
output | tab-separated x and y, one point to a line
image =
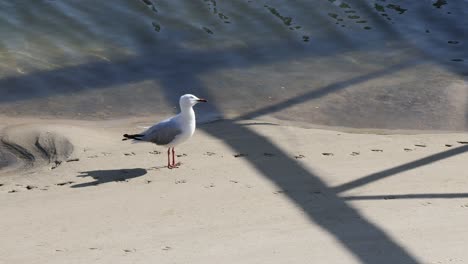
382	63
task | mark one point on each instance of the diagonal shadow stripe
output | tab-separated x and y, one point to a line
366	241
405	167
320	92
407	196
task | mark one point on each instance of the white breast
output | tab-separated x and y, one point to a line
187	124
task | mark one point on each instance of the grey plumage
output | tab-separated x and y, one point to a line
173	131
162	133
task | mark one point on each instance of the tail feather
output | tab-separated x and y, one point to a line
134	136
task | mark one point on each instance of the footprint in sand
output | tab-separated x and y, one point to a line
130	154
327	154
279	192
420	145
239	155
180	181
166	248
121	180
377	150
462	142
181	155
355	153
448	145
407	149
155	152
13	191
210	186
72	160
56	164
30	187
209	153
64	183
157	168
300	156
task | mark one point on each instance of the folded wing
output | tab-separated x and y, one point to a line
162	133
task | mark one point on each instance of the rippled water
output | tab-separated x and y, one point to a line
382	63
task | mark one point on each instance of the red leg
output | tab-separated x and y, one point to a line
173	158
169	158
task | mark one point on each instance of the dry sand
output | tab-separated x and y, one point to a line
247	192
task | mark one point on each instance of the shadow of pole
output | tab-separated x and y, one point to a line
322	91
407	196
405	167
366	241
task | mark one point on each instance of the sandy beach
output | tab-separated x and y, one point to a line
249	191
335	132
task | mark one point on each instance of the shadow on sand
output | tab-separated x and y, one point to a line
104	176
321	204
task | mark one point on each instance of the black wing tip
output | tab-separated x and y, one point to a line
135	136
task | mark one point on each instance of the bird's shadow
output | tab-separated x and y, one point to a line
104	176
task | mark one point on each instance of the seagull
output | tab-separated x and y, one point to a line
172	131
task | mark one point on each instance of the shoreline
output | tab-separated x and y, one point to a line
13	120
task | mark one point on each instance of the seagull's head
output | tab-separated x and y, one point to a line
189	100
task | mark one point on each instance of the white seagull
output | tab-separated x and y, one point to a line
172	131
